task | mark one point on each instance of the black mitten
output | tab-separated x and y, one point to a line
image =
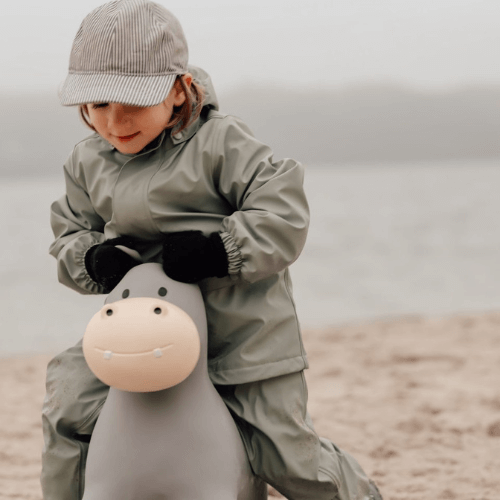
190	256
107	265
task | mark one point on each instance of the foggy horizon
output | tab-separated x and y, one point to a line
356	124
315	81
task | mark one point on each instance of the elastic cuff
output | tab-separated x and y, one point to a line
234	259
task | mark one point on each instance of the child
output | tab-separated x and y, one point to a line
169	176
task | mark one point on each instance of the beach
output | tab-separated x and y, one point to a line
415	399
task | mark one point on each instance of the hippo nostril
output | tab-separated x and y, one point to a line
157	310
109	312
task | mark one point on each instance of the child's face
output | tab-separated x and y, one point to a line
130	128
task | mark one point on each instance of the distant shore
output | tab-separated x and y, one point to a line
371	123
417	401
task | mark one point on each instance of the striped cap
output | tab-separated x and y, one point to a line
126	51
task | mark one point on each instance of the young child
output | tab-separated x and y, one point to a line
170	177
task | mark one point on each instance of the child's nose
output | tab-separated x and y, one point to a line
118	116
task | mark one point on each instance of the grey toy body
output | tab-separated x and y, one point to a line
179	443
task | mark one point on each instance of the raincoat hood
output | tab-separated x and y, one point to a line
210	103
203	78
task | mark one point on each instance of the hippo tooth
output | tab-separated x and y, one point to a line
158	353
108	354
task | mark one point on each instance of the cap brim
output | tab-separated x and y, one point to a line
134	90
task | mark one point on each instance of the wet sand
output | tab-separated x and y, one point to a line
416	400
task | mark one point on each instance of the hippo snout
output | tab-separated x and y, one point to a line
141	344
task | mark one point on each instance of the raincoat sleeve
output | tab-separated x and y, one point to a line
268	228
76	227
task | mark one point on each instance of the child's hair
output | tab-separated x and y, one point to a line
182	116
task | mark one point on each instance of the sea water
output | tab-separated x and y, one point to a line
384	241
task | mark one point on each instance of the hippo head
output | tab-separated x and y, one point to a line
147	336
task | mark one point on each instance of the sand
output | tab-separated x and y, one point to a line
416	400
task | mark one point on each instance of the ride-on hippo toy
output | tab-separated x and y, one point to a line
164	432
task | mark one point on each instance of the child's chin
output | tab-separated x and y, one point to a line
128	149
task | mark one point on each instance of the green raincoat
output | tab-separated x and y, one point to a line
213	176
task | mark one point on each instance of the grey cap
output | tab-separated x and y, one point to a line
126	51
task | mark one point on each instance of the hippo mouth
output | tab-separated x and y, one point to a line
157	353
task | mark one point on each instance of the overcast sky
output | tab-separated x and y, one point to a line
307	43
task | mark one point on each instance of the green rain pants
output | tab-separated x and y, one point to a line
271	415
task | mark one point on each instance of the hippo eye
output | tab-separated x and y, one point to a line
109	312
157	310
162	292
125	293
